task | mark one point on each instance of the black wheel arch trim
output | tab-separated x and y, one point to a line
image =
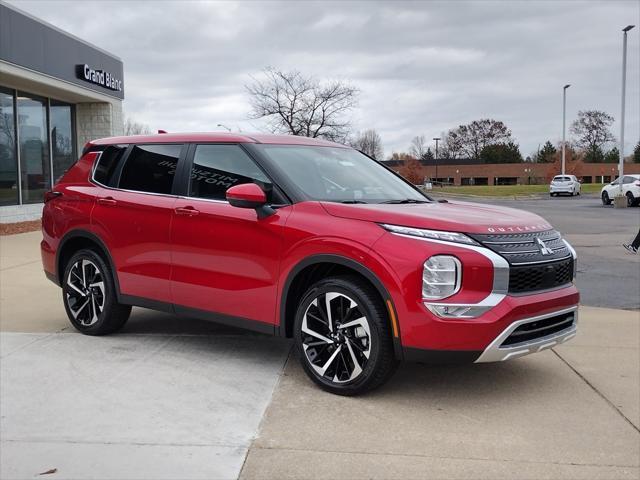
73	234
345	262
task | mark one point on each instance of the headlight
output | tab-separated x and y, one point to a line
454	237
441	276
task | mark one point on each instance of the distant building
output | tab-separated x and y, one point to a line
474	172
56	93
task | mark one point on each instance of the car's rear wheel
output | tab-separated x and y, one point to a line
630	199
342	336
89	295
605	199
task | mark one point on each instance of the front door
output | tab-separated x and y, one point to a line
224	259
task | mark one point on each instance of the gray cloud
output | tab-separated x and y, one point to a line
422	67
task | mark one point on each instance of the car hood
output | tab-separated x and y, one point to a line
455	216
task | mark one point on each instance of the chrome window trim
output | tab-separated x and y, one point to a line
493	352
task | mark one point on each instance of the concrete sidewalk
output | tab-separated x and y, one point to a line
179	398
568	413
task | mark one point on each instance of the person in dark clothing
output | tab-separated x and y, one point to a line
633	246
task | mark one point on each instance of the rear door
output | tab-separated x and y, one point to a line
225	260
132	215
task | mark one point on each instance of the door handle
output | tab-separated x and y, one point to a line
186	211
107	201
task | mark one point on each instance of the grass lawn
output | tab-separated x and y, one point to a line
508	190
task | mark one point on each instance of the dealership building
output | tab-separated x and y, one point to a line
56	93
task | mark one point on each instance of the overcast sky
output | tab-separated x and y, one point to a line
422	67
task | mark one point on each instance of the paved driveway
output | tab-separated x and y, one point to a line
180	398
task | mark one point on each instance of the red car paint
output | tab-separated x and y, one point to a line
188	254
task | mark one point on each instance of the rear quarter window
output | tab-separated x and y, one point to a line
107	165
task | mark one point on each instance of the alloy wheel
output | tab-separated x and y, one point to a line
336	337
85	292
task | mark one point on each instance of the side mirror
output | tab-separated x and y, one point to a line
249	195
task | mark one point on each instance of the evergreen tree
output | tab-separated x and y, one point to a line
612	156
546	154
501	153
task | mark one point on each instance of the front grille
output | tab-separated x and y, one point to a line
537	260
529	278
540	328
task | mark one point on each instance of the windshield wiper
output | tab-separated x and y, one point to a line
406	200
352	201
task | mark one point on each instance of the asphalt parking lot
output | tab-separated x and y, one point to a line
179	398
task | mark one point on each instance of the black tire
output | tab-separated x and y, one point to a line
630	199
351	343
89	295
552	194
605	199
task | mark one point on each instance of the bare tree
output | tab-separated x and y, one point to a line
301	105
131	127
452	146
370	143
418	147
472	138
591	130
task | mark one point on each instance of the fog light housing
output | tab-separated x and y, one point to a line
441	277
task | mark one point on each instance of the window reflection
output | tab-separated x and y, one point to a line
34	148
61	119
8	160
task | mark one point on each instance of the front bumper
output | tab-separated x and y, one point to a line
500	349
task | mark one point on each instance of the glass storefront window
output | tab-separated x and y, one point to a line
8	155
61	120
35	176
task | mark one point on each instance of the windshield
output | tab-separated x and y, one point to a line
339	175
562	179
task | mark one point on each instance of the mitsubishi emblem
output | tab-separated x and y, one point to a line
544	250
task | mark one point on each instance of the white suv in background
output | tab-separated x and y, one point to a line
630	189
564	184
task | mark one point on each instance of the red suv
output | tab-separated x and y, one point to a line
308	239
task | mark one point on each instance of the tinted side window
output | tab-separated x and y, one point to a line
107	165
216	168
150	168
628	180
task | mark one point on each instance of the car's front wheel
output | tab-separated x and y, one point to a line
89	295
342	336
605	199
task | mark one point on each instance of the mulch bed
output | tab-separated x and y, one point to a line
20	227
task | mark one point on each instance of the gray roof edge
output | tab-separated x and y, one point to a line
53	27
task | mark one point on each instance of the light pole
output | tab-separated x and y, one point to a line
436	157
224	126
624	87
564	120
